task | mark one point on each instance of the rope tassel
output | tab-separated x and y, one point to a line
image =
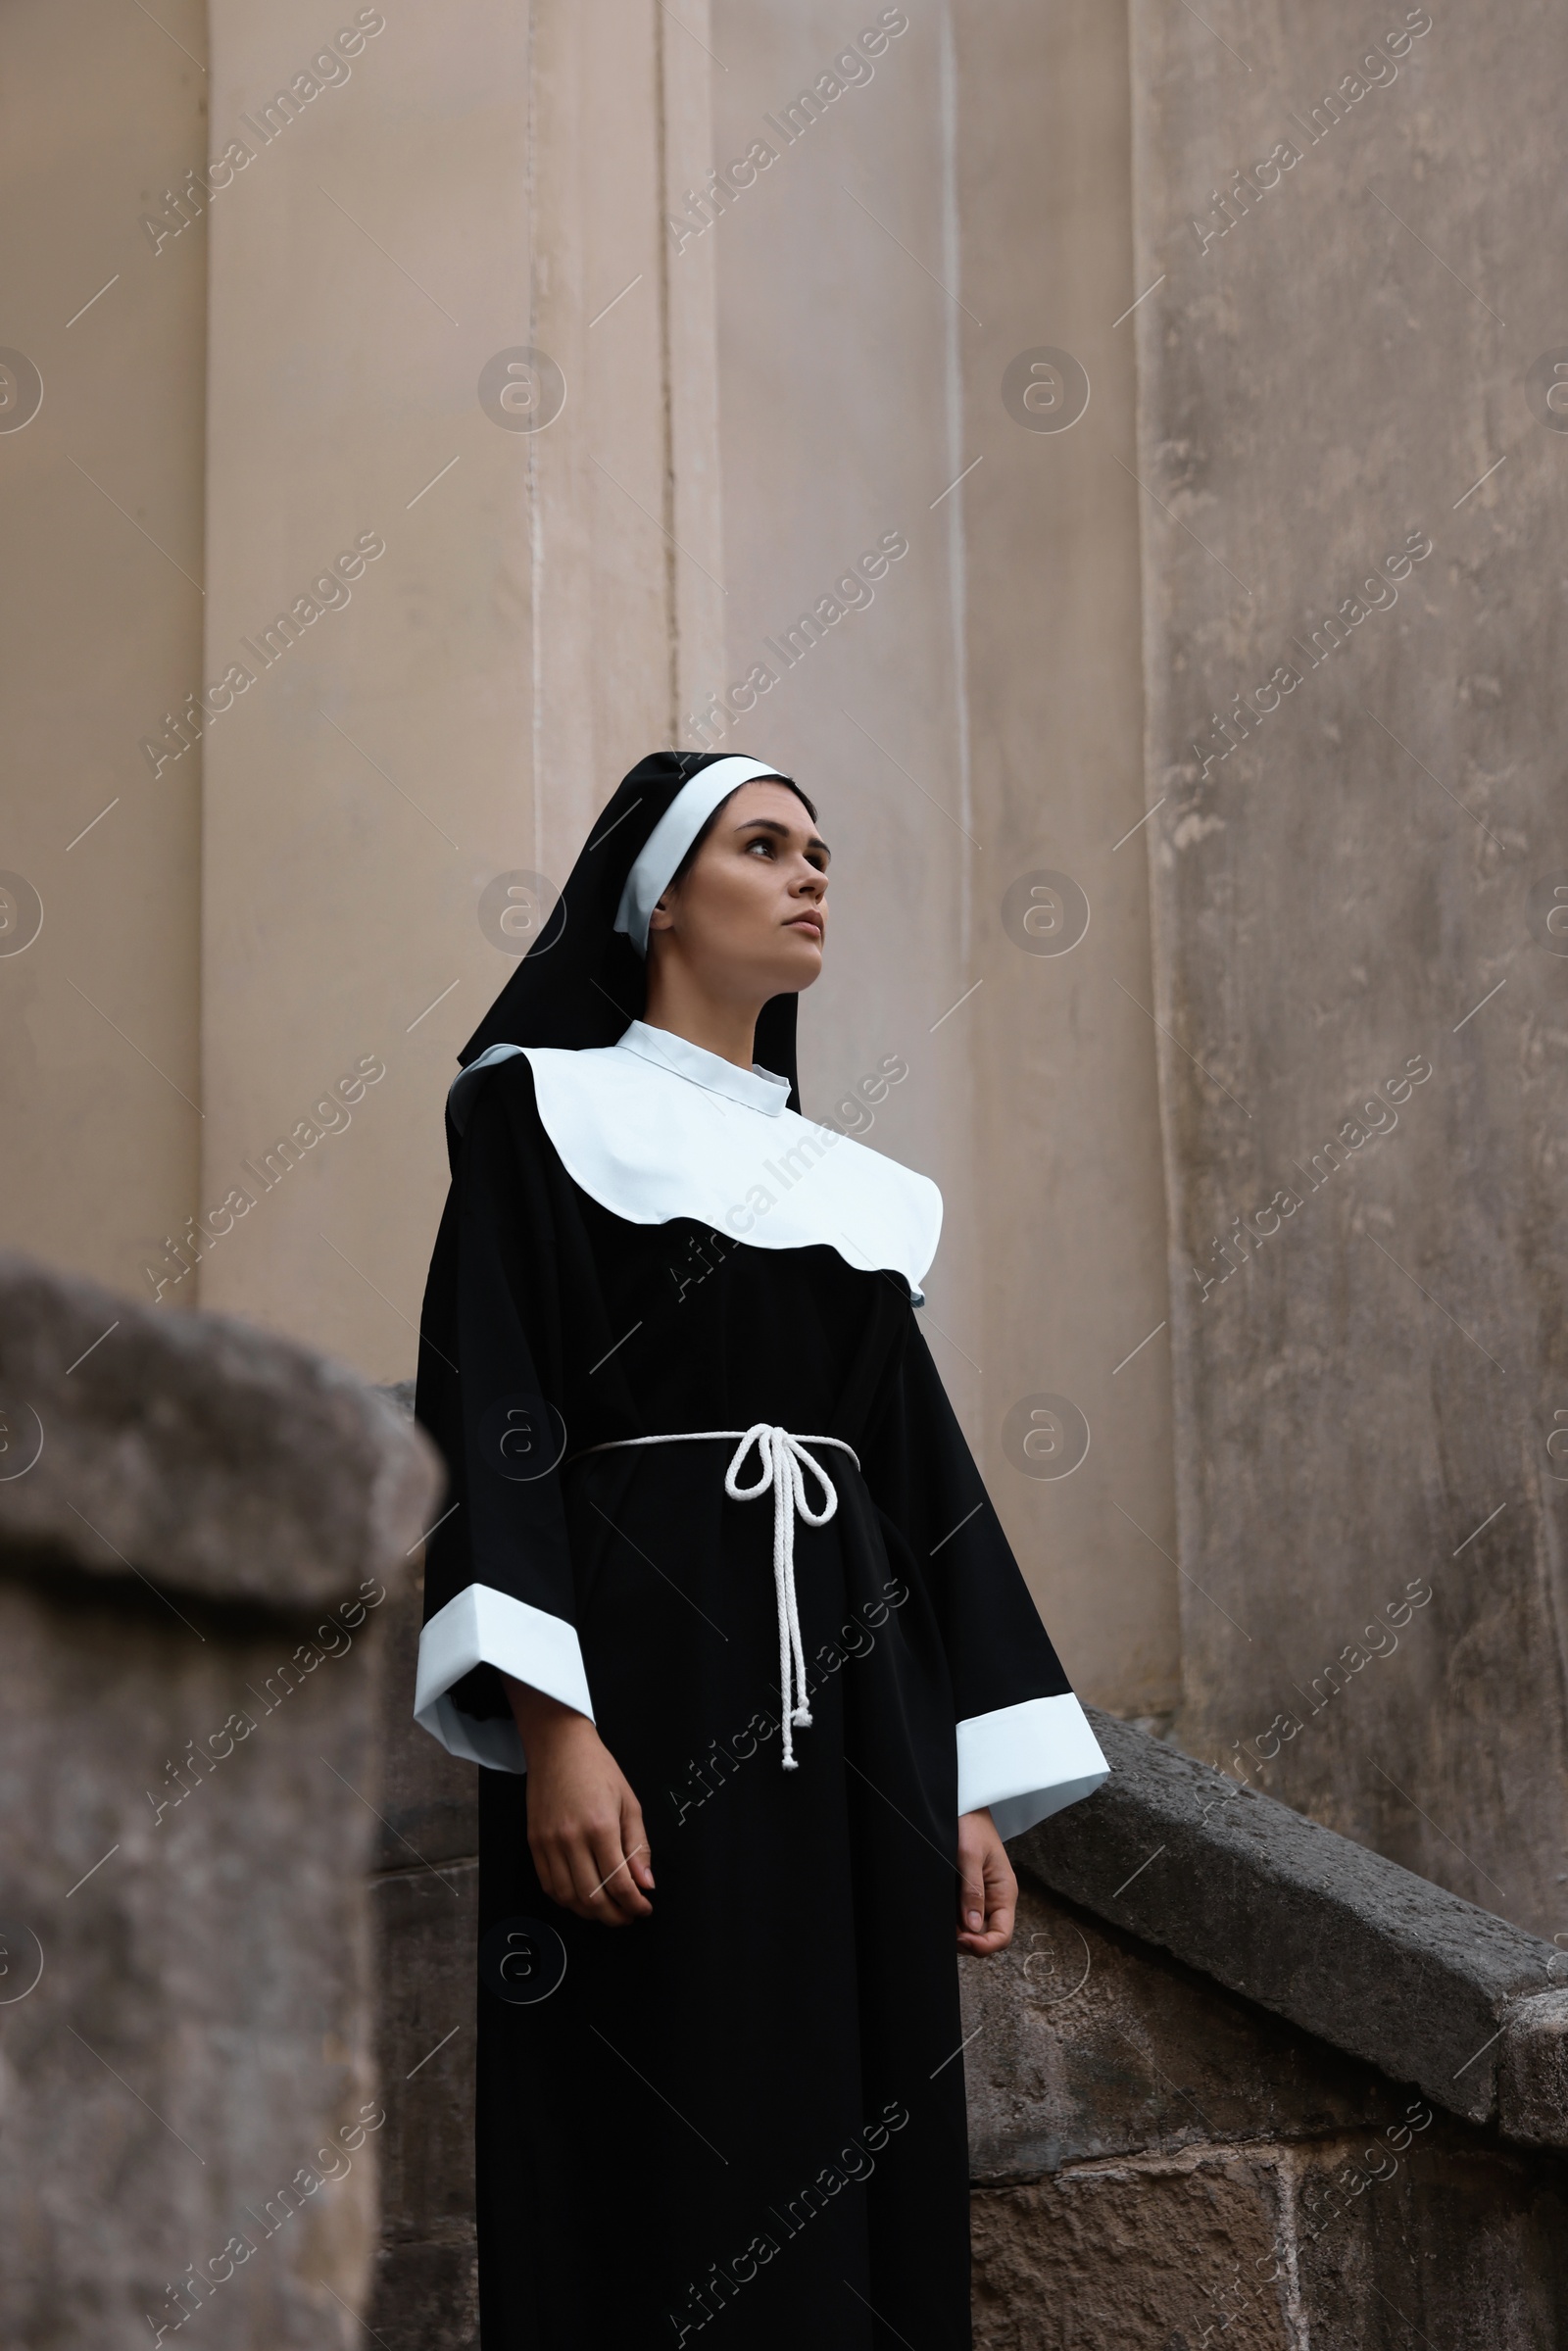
783	1459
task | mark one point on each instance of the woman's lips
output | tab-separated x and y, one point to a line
807	923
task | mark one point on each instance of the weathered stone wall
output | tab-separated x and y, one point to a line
1161	2165
425	1913
1352	613
201	1532
1161	2161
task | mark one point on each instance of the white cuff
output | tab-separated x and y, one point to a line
486	1626
1026	1762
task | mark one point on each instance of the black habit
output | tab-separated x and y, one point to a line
740	2122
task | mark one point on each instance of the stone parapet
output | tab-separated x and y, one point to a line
1321	1932
246	1467
202	1530
1240	2080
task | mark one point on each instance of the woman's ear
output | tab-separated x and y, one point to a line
661	917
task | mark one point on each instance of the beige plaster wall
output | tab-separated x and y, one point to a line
101	618
964	197
1073	1192
750	412
479	184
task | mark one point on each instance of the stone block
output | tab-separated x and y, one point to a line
1533	2077
424	1906
427	2296
192	1448
191	2115
426	1937
426	2286
1159	2256
1441	2240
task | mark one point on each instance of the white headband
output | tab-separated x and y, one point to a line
674	835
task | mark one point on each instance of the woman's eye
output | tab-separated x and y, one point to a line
762	843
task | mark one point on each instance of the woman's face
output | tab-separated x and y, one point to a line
750	917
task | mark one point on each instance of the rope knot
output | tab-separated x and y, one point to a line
782	1461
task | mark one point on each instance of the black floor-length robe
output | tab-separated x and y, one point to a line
739	2121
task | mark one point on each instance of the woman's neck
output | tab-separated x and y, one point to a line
718	1024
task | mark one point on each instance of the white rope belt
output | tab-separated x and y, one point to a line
783	1459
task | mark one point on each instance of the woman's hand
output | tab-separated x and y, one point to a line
585	1826
988	1891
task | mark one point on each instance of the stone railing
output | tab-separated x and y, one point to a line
1321	1932
201	1532
1241	2080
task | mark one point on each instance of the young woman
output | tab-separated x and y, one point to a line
722	1610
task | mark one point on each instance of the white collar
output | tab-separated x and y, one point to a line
758	1087
653	1127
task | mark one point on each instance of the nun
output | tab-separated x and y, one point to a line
722	1611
